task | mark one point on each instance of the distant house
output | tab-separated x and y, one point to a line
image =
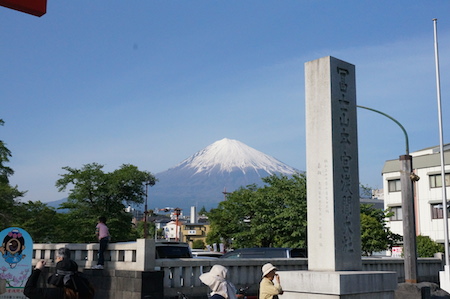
161	221
187	231
194	231
172	231
426	164
377	203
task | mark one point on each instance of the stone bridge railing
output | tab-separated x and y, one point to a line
181	275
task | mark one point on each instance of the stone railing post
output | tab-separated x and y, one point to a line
145	254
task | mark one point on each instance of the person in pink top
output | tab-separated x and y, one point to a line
102	233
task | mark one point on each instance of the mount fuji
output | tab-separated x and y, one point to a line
203	179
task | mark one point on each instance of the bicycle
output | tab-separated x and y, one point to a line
182	296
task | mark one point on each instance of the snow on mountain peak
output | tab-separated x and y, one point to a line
229	154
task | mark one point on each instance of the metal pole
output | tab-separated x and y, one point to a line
177	214
441	147
146	211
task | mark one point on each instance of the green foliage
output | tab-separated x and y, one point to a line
198	244
365	191
5	154
160	233
375	235
427	247
8	193
8	196
271	216
79	227
139	229
95	193
39	220
202	211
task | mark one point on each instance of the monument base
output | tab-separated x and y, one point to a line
444	278
338	284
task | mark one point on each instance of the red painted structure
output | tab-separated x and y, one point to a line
33	7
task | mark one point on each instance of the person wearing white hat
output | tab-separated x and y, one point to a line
216	281
270	286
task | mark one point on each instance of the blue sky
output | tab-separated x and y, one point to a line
151	82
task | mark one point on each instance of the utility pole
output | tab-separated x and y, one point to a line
407	179
146	210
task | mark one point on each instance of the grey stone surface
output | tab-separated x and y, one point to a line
338	283
334	239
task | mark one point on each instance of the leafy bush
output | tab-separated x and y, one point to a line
427	247
198	244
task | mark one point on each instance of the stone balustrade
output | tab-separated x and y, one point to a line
181	275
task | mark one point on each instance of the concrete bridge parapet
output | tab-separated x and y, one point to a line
132	271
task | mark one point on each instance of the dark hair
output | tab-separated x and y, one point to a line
102	219
64	252
71	294
14	235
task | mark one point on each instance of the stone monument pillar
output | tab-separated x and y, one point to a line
334	237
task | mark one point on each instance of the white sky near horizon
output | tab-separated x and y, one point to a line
150	83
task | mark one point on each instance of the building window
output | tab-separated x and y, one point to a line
398	213
394	185
436	180
437	212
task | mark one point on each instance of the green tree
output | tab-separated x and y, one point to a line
8	193
39	220
365	191
230	220
198	244
427	247
140	229
95	193
202	211
375	235
271	216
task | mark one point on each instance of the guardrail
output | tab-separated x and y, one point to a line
181	275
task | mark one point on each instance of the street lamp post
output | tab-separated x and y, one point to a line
225	193
177	212
407	179
146	210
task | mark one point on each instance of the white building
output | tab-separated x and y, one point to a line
172	231
426	164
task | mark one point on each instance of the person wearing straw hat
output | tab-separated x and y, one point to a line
269	287
216	281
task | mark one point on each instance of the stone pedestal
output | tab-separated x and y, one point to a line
444	278
338	284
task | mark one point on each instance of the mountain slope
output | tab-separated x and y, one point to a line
228	155
202	178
